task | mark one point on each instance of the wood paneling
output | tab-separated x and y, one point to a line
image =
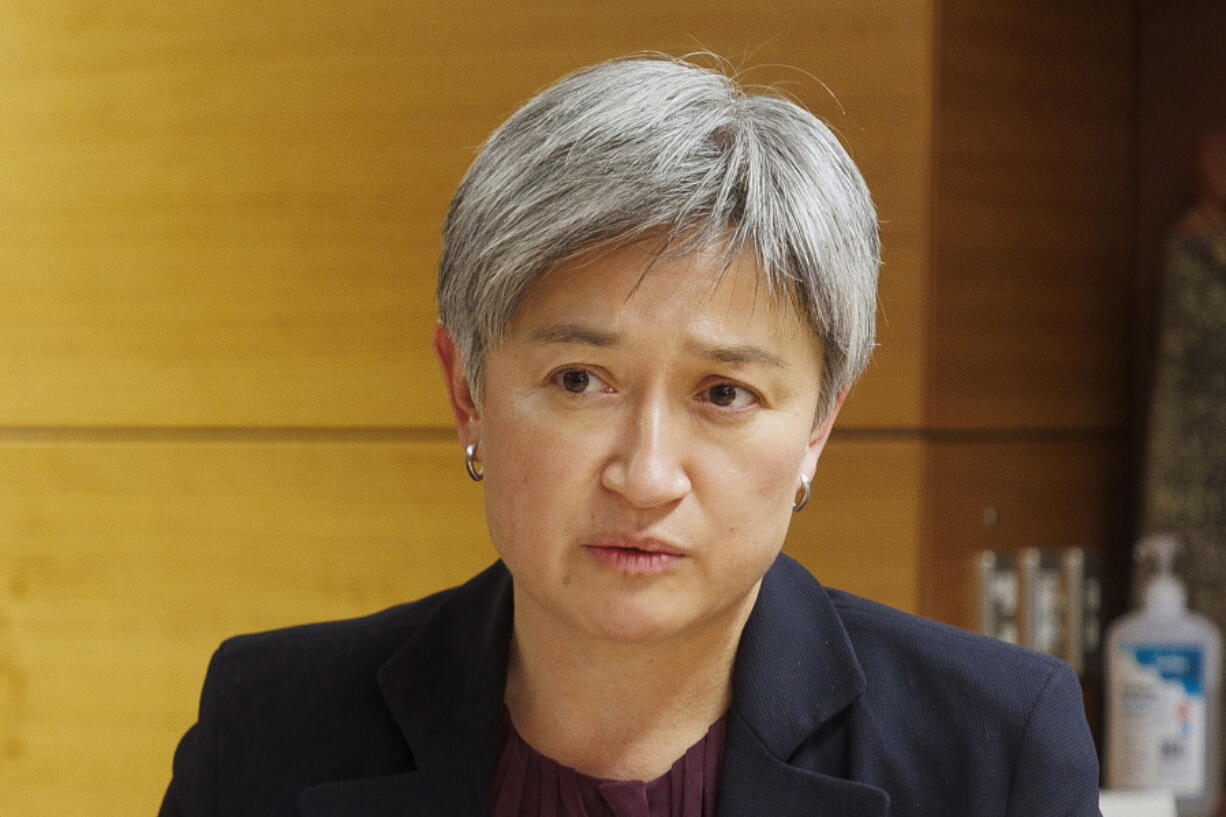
861	530
123	564
1030	328
1032	203
1009	496
227	213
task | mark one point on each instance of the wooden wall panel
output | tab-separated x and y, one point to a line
224	216
1008	496
861	530
123	564
1029	325
1032	203
227	213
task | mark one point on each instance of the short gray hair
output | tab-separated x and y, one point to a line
651	146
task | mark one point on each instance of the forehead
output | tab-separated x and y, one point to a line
631	289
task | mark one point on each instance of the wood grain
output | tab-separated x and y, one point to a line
1008	496
861	531
123	565
1030	300
227	214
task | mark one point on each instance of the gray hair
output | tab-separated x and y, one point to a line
651	146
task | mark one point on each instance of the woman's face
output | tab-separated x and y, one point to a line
643	441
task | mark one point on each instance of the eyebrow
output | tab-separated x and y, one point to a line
575	333
744	353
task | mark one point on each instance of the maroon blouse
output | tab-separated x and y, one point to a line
528	784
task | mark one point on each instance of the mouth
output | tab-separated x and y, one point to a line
633	555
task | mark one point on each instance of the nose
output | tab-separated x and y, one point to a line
647	467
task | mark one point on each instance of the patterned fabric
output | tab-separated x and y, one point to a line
1185	474
528	784
1185	486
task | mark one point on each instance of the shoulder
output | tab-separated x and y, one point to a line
285	709
943	720
939	668
893	646
315	665
310	685
879	631
325	650
1009	720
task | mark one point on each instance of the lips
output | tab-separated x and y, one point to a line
645	544
634	555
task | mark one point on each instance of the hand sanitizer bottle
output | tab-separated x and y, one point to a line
1163	684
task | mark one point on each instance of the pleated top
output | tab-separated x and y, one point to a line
528	784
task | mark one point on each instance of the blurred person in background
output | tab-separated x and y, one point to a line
1185	463
655	293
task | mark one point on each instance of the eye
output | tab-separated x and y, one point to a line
729	395
577	381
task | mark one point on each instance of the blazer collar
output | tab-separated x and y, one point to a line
795	666
446	683
444	689
795	670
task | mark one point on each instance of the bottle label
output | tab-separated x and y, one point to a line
1160	733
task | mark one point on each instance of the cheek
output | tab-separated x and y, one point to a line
774	463
534	476
753	490
528	453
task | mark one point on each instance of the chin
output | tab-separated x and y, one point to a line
632	624
638	632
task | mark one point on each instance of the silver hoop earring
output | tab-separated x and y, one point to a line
806	491
475	472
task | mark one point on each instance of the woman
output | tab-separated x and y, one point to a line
655	293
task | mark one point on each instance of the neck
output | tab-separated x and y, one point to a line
617	710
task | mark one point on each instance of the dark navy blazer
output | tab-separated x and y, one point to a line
841	707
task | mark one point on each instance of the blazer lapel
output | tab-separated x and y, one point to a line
458	786
444	689
755	782
795	672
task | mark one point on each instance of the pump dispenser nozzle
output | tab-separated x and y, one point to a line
1164	594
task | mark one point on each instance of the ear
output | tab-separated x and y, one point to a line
463	407
821	433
